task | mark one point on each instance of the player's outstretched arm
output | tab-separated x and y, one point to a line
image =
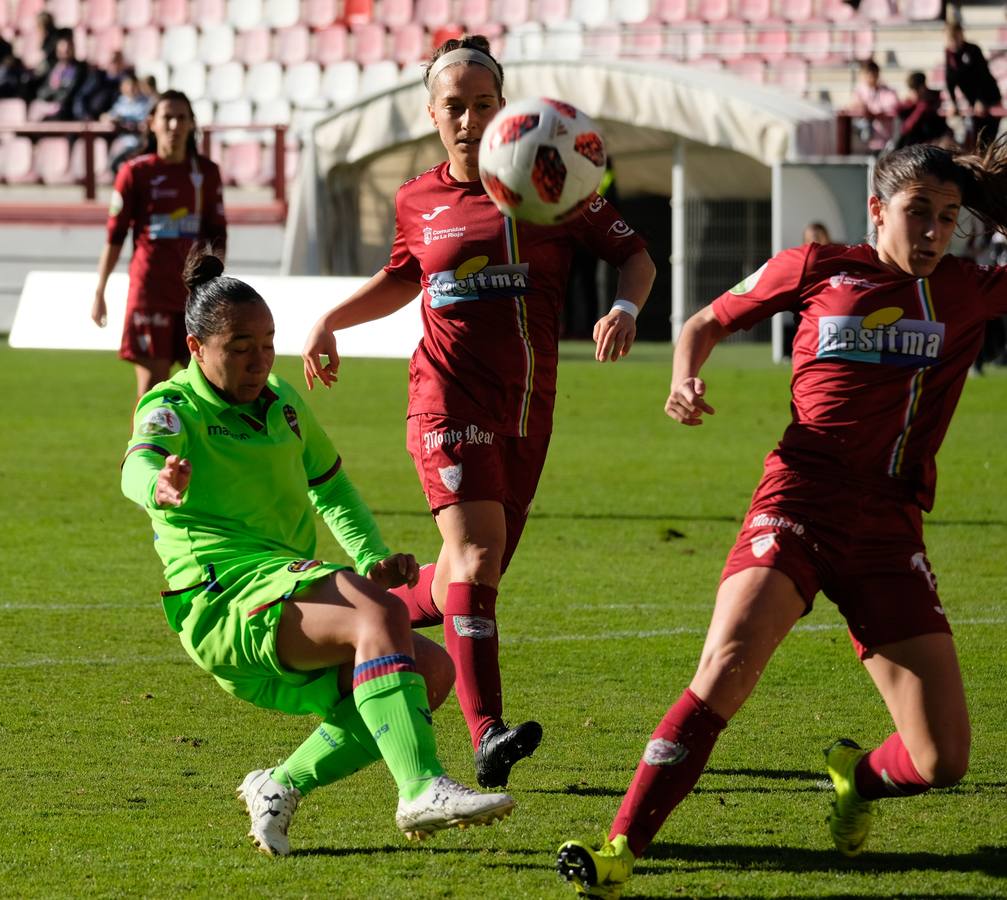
380	297
700	334
106	263
172	481
615	332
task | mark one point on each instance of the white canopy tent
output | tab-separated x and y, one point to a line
673	130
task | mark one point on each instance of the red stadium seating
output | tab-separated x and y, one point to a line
142	43
923	10
713	10
447	33
432	13
672	11
772	43
511	13
796	10
358	12
730	42
25	13
369	43
102	45
209	12
836	10
253	46
757	11
643	40
320	13
13	111
52	160
473	14
242	163
78	165
17	161
885	11
65	13
814	44
292	45
331	45
100	14
394	13
751	70
135	14
409	43
168	13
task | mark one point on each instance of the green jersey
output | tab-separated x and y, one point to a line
259	471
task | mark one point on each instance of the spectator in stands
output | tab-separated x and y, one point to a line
171	197
128	114
63	81
48	35
12	74
966	70
920	113
100	89
816	233
874	107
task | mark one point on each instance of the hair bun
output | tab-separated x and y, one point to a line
201	265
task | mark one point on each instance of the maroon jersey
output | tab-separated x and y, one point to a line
880	358
170	205
493	290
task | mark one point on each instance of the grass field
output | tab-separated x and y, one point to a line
120	757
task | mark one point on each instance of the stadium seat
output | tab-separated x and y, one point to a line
135	14
863	42
524	42
264	81
672	11
243	14
450	32
631	11
209	12
368	43
253	46
142	43
409	43
378	77
78	161
98	14
241	163
168	13
511	13
433	14
66	13
103	44
394	13
190	78
332	45
292	45
755	11
180	45
795	10
472	14
320	13
341	82
604	43
155	68
39	109
643	40
13	111
713	10
216	44
590	13
882	11
836	10
225	82
272	112
729	42
564	41
17	161
282	13
302	84
6	19
358	12
791	74
814	44
52	160
751	70
772	43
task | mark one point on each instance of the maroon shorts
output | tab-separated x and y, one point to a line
863	551
458	461
154	334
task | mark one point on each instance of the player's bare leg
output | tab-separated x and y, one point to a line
465	590
150	372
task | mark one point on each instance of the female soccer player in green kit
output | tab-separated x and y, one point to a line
228	461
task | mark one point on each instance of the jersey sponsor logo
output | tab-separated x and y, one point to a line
474	279
161	422
470	434
919	563
154	320
766	521
619	229
165	226
115	204
662	752
842	278
224	431
748	283
302	565
762	544
883	336
157	179
442	234
451	477
163	193
434	213
290	414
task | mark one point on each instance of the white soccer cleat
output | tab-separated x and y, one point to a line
270	806
448	804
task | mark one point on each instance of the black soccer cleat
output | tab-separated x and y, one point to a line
500	747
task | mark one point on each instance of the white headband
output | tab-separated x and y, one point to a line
463	54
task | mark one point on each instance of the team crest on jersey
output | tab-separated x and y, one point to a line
428	235
882	336
762	544
302	565
290	414
749	283
161	422
451	477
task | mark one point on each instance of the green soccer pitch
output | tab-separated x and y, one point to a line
120	757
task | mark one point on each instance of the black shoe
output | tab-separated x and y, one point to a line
500	747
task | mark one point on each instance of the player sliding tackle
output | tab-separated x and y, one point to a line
883	348
228	461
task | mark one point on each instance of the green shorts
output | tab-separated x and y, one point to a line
227	624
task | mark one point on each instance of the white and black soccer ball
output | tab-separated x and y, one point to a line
540	160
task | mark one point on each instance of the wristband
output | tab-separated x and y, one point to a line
626	306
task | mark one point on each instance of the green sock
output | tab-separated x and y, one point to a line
340	746
397	712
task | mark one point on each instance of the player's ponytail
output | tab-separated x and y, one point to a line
212	295
986	194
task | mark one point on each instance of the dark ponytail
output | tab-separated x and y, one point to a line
212	295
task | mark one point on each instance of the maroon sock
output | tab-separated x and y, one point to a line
470	636
888	772
671	765
419	600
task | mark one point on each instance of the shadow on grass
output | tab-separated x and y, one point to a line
396	849
987	860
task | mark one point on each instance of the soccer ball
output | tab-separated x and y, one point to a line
540	160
